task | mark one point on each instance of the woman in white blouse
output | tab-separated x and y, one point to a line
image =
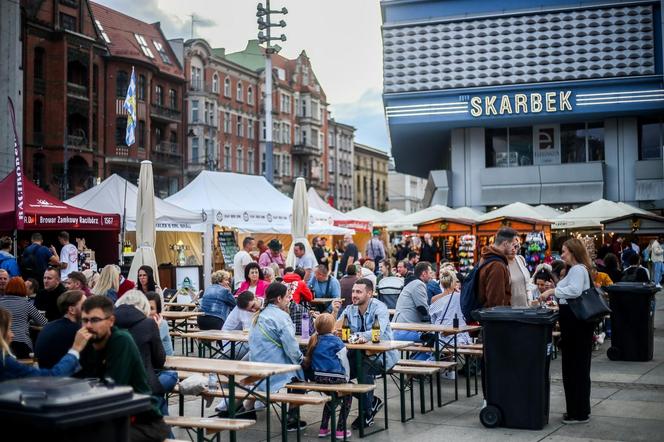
576	336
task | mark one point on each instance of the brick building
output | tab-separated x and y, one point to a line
341	141
371	167
77	58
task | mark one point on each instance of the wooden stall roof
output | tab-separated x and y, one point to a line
520	224
445	226
635	223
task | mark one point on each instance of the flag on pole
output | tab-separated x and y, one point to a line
130	107
20	220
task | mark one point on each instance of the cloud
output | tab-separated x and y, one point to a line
368	118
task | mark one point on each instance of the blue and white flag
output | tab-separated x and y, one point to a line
130	107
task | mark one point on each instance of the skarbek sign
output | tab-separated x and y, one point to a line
533	103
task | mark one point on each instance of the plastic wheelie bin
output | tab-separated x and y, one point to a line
66	409
632	321
517	354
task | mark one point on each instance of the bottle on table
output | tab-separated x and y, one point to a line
375	330
345	330
455	321
305	324
212	382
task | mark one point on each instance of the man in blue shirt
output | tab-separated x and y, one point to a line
322	285
361	316
304	260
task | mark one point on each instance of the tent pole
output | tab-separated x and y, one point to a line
124	221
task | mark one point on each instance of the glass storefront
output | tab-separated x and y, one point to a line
651	138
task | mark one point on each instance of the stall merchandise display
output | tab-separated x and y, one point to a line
589	243
466	253
535	249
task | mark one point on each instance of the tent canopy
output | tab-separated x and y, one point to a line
43	211
467	213
409	222
514	210
340	219
376	217
548	212
108	197
591	215
246	202
638	223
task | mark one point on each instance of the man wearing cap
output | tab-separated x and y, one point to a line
272	255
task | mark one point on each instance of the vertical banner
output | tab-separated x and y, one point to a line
18	170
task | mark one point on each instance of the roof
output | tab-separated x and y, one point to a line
514	210
409	222
340	218
43	211
371	150
468	213
548	211
121	30
591	215
109	196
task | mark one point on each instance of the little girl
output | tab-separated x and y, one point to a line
326	358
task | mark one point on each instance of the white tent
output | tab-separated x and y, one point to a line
340	219
515	210
591	215
468	213
410	222
367	213
108	197
548	211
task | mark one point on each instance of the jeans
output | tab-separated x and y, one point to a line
167	379
373	366
407	335
657	273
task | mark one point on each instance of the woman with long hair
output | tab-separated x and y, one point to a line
22	311
146	282
576	336
10	368
108	283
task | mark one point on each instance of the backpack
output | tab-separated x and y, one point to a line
29	265
470	300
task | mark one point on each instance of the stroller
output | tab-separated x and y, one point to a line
388	290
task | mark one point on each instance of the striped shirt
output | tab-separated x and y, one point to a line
22	311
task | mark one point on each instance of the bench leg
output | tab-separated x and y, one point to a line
422	396
333	417
476	363
438	390
267	407
180	404
299	433
431	392
284	418
412	398
468	376
402	397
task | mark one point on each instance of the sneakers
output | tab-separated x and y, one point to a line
340	434
324	432
241	413
569	421
376	405
293	425
368	422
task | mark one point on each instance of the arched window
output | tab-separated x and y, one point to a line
227	87
250	95
238	92
121	84
39	63
215	84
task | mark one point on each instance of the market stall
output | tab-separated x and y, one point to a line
530	230
97	233
454	238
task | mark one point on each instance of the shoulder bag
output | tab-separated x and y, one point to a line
590	306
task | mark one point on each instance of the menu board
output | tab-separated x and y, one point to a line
228	246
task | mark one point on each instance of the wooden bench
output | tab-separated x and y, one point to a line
407	373
204	426
443	365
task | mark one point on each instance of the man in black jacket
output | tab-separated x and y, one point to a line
47	298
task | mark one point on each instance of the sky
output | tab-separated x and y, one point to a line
341	37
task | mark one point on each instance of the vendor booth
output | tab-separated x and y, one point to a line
454	238
641	224
42	212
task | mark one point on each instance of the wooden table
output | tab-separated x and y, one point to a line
257	371
179	323
185	305
437	330
323	300
207	338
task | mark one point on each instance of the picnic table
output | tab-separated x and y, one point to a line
184	305
249	371
207	338
437	330
179	322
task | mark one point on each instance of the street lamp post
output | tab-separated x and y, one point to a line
264	23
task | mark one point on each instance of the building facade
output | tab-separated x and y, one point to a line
11	80
341	139
405	192
503	101
371	166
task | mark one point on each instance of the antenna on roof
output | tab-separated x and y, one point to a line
193	20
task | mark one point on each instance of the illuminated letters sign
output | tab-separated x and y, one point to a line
533	103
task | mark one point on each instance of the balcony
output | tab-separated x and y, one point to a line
305	149
164	113
166	154
309	119
79	91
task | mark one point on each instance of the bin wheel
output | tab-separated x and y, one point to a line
490	416
613	353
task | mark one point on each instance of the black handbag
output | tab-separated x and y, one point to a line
590	306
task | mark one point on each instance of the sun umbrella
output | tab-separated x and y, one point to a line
299	222
145	224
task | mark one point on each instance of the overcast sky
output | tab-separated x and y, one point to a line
341	37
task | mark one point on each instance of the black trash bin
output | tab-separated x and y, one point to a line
517	355
632	321
66	409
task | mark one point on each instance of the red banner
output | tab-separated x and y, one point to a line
20	196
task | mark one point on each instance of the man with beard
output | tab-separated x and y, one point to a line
57	337
47	298
112	353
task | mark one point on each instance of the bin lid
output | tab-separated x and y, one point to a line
524	315
41	393
639	288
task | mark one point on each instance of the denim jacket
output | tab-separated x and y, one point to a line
362	325
217	301
272	339
10	368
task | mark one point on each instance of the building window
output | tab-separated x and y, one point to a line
194	150
509	147
37	112
215	84
141	133
157	136
194	111
173	99
239	130
227	87
140	87
121	84
250	95
651	138
144	45
159	95
250	129
68	22
39	63
196	78
581	142
162	52
227	122
174	141
103	33
120	131
239	161
227	158
250	162
238	92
